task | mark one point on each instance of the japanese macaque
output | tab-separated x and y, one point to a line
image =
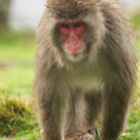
85	66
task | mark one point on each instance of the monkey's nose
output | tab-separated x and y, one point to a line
72	42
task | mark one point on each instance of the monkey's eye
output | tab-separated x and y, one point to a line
65	26
78	24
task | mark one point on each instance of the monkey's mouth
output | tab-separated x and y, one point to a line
75	50
76	55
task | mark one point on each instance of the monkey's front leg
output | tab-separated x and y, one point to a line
51	112
116	99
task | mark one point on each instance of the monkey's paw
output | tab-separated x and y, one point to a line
94	132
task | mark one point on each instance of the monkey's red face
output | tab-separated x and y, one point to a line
72	34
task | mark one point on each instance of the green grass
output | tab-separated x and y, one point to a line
136	21
16	62
17	47
17	50
17	117
16	80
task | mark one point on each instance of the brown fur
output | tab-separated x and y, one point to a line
70	95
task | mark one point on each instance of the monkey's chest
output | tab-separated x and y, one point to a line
86	81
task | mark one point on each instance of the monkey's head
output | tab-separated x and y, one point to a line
78	28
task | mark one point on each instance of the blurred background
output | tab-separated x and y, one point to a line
18	23
26	14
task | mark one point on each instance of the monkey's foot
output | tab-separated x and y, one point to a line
89	134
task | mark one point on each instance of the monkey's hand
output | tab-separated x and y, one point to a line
94	132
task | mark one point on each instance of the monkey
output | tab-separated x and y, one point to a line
85	68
